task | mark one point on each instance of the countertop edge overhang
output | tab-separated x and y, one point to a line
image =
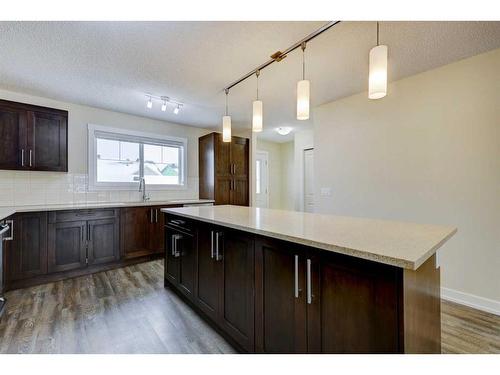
401	262
6	211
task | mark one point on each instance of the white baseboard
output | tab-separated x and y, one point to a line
471	300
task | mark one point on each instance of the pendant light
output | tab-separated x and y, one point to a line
377	79
303	91
257	109
226	124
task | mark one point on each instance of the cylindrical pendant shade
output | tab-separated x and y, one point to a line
377	80
257	116
226	128
303	88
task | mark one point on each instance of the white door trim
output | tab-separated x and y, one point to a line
266	153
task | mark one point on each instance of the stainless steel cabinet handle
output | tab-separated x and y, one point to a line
173	245
22	157
31	158
309	286
234	168
11	225
218	255
177	253
151	216
156	215
296	276
212	244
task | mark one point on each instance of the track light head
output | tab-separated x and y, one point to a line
149	103
177	109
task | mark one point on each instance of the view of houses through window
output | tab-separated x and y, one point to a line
120	161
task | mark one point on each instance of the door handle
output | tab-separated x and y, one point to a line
22	157
218	256
296	276
212	244
309	286
31	157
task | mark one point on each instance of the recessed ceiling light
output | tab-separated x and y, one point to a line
283	130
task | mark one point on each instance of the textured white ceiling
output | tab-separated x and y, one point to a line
113	64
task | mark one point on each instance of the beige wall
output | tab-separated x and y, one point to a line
24	187
428	152
303	140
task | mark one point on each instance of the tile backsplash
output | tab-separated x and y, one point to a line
20	188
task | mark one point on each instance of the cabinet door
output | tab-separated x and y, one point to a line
353	307
186	250
48	143
237	287
12	137
103	241
135	222
67	246
223	187
27	252
239	156
239	191
207	290
280	297
222	156
156	230
171	257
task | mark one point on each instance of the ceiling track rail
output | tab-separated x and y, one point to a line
278	56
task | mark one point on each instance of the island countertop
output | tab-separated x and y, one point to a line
400	244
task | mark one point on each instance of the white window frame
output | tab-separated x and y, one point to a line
94	185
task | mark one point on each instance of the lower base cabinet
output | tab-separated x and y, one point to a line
67	244
273	296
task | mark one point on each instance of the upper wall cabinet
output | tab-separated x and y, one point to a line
224	169
33	138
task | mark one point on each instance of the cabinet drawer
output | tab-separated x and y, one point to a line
180	223
83	214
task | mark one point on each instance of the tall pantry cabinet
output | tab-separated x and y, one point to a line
224	169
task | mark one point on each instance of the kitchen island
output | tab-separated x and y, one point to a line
274	281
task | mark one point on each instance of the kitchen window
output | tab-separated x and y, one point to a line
119	159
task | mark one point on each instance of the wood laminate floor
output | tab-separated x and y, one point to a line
127	310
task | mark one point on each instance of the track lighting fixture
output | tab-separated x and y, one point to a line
303	90
377	78
257	109
165	101
226	123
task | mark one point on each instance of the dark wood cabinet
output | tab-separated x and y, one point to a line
236	315
180	259
33	137
142	231
67	246
208	273
79	238
281	320
103	241
353	306
224	169
26	254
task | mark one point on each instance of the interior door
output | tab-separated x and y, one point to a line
236	254
67	246
13	125
309	180
280	297
47	138
207	290
103	241
366	290
261	179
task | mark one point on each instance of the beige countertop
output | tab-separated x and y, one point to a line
401	244
6	211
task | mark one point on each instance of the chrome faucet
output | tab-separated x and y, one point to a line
142	187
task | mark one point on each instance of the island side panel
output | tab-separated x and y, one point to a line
422	309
